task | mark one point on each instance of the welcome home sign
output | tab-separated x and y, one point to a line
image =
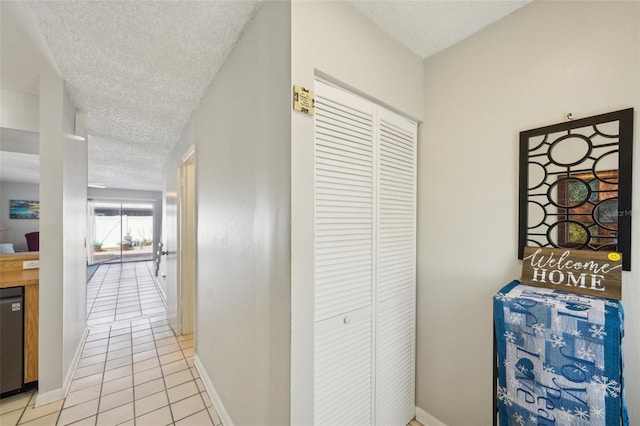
576	271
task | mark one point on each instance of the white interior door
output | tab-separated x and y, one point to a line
395	269
344	258
364	342
170	251
181	250
187	252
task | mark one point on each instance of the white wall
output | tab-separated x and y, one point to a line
63	197
527	70
331	39
74	225
19	111
50	367
242	135
24	55
16	228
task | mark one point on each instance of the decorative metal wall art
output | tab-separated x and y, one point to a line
575	185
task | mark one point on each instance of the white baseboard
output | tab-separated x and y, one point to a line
163	297
76	359
427	419
211	390
50	396
60	393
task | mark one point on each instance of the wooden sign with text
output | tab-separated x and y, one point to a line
575	271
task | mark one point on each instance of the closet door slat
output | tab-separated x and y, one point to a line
396	266
343	203
395	360
343	383
397	205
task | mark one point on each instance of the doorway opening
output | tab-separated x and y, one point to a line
120	232
187	246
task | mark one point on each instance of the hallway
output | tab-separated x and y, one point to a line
133	370
122	291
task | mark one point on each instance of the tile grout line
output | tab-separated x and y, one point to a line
24	410
133	375
115	312
157	319
138	291
97	292
104	366
198	389
133	383
164	382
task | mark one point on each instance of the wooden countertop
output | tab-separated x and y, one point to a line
11	272
18	278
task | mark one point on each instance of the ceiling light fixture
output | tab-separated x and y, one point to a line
97	185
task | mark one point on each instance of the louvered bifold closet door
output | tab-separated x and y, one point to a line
344	256
396	270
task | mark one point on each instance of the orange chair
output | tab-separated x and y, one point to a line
33	241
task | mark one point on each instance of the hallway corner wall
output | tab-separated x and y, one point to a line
241	132
479	94
63	199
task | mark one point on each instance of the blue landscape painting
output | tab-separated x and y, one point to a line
24	209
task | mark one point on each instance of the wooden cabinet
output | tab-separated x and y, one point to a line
31	333
12	274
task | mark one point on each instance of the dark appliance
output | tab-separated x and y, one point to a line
11	339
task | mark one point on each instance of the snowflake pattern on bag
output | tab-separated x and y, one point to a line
560	358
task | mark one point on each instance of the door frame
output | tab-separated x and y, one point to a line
186	240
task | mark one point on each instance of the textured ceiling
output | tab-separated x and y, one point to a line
138	69
428	26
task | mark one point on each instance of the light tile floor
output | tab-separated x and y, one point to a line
133	369
119	292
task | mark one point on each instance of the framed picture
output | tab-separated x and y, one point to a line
24	209
575	185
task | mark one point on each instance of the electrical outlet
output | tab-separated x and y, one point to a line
31	264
